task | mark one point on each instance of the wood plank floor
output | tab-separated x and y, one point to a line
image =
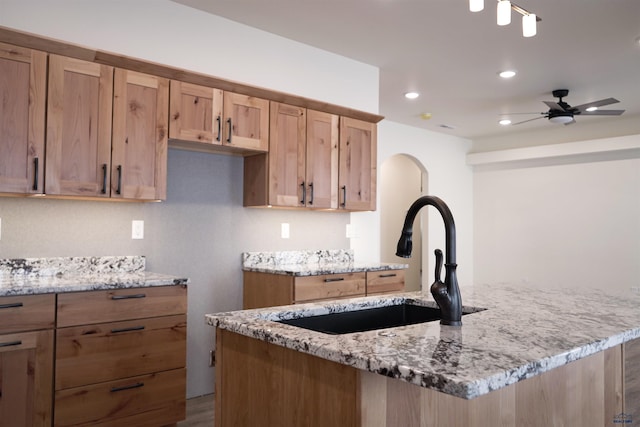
199	412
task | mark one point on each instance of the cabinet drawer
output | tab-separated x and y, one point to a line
385	281
119	350
81	308
329	286
146	400
27	313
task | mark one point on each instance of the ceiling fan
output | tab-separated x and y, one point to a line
563	113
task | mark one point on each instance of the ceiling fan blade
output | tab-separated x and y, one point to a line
554	105
513	114
600	103
602	113
525	121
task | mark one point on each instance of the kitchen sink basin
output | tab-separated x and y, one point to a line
368	319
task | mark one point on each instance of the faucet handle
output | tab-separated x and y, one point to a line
438	254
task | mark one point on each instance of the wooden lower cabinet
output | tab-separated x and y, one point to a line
258	383
26	375
126	372
268	290
632	382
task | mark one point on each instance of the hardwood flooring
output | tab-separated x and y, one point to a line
199	412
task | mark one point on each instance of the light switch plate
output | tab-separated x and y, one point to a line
137	229
284	230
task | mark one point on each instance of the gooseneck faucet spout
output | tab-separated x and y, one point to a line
446	294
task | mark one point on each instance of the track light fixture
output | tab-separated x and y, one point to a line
503	15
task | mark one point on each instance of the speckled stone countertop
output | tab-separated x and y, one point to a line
310	263
26	276
522	333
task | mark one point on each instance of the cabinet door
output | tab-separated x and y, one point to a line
196	113
322	160
357	176
26	374
246	122
139	156
22	107
287	140
78	127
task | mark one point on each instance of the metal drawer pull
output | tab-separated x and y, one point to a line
230	130
119	187
337	279
10	343
388	275
133	328
36	170
219	121
116	297
12	305
104	179
126	387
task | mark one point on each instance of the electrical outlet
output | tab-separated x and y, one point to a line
137	229
284	230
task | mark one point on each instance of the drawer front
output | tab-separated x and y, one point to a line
108	351
146	400
27	313
329	286
385	281
82	308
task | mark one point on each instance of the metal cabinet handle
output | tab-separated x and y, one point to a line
230	129
36	172
119	187
131	329
388	275
344	196
10	343
311	193
336	279
219	120
12	305
118	297
126	387
304	193
104	178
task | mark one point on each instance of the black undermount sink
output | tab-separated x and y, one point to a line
367	319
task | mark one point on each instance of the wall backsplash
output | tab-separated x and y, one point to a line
200	231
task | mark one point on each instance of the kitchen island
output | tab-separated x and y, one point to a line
523	356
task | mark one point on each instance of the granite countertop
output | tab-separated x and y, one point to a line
28	276
522	333
311	263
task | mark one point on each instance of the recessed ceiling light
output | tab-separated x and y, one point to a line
411	95
505	122
425	116
591	109
507	74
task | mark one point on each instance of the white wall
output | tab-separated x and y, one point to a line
450	178
562	216
201	230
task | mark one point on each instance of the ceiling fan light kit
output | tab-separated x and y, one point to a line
504	12
562	113
476	5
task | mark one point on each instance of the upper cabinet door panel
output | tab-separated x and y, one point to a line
22	119
357	176
196	113
322	160
246	122
140	116
287	142
78	127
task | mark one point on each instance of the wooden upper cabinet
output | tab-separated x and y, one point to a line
78	127
322	160
246	122
287	152
139	153
22	119
195	113
357	174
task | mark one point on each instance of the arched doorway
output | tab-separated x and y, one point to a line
402	180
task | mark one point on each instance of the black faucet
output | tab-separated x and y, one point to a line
446	294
